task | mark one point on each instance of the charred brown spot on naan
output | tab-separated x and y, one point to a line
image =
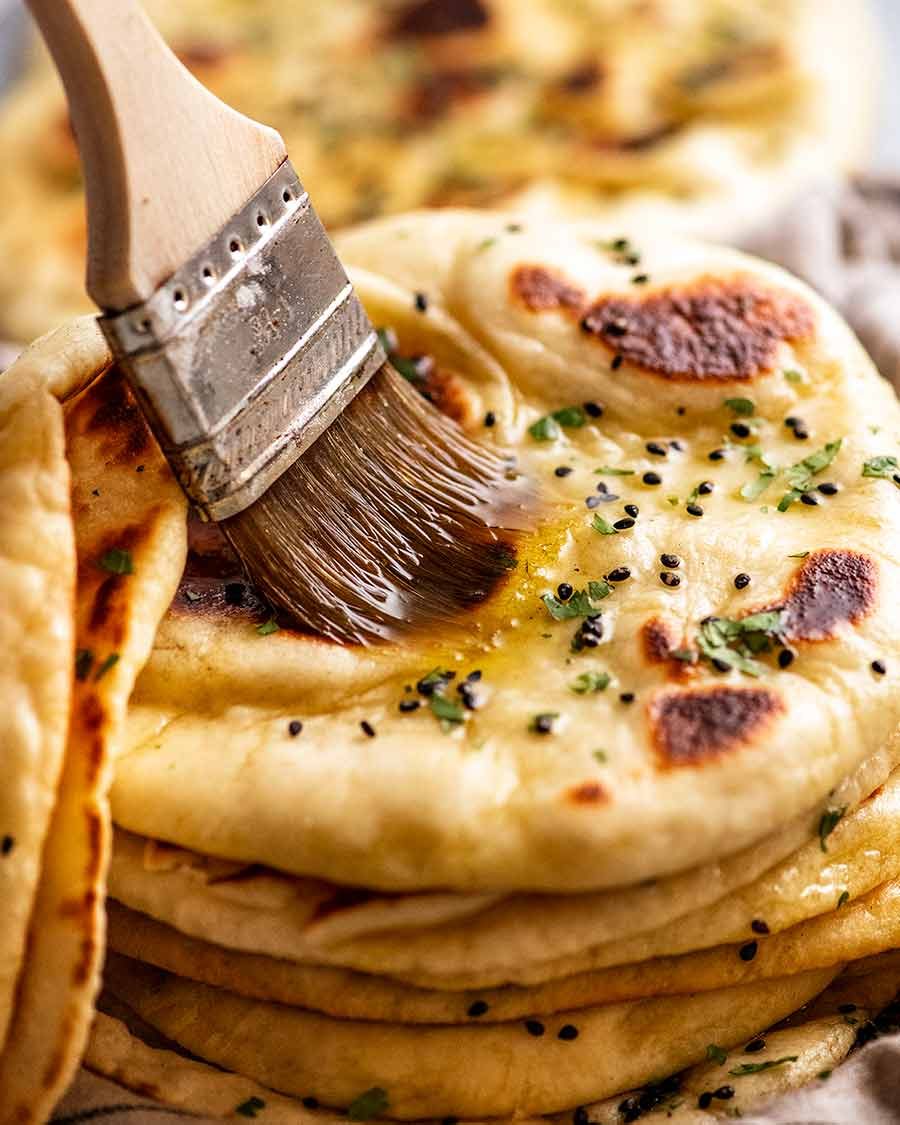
449	393
541	289
105	605
657	641
423	18
727	330
588	793
692	728
438	93
638	142
831	589
584	78
117	423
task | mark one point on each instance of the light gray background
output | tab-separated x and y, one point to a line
887	155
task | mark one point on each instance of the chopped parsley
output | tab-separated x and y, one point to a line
110	662
590	682
485	244
799	476
843	898
830	819
754	489
743	407
793	376
251	1107
368	1105
799	555
117	560
84	662
604	527
601	756
608	471
715	1053
580	604
447	710
757	1068
887	468
267	627
548	427
732	643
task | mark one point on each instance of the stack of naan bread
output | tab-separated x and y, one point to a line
622	841
704	115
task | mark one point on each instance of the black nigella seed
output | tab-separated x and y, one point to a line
594	501
409	705
671	561
740	429
846	1009
694	510
640	279
705	1099
792	423
670	580
755	1046
801	434
535	1028
593	409
234	593
758	926
490	419
476	1009
748	952
829	488
656	448
632	510
139	469
564	591
449	1121
468	695
879	667
602	486
617	361
421	302
543	724
474	677
785	658
720	665
705	487
6	845
367	728
716	455
310	1103
651	478
567	1032
627	697
614	328
808	499
676	444
724	1093
580	1116
563	470
624	524
681	411
741	581
620	574
294	727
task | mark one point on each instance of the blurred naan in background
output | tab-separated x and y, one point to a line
705	116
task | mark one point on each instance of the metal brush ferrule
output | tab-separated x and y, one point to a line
246	354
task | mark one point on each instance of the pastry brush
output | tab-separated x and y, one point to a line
356	508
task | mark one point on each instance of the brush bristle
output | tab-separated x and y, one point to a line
393	520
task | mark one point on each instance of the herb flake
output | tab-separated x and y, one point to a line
588	683
829	820
604	527
368	1105
581	604
716	1054
117	560
757	1068
548	427
251	1107
887	468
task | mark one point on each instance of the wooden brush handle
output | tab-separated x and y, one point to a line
166	163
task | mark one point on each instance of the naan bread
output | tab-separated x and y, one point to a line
113	620
37	587
711	354
702	115
494	1070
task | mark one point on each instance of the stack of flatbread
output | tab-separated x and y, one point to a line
703	115
621	841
